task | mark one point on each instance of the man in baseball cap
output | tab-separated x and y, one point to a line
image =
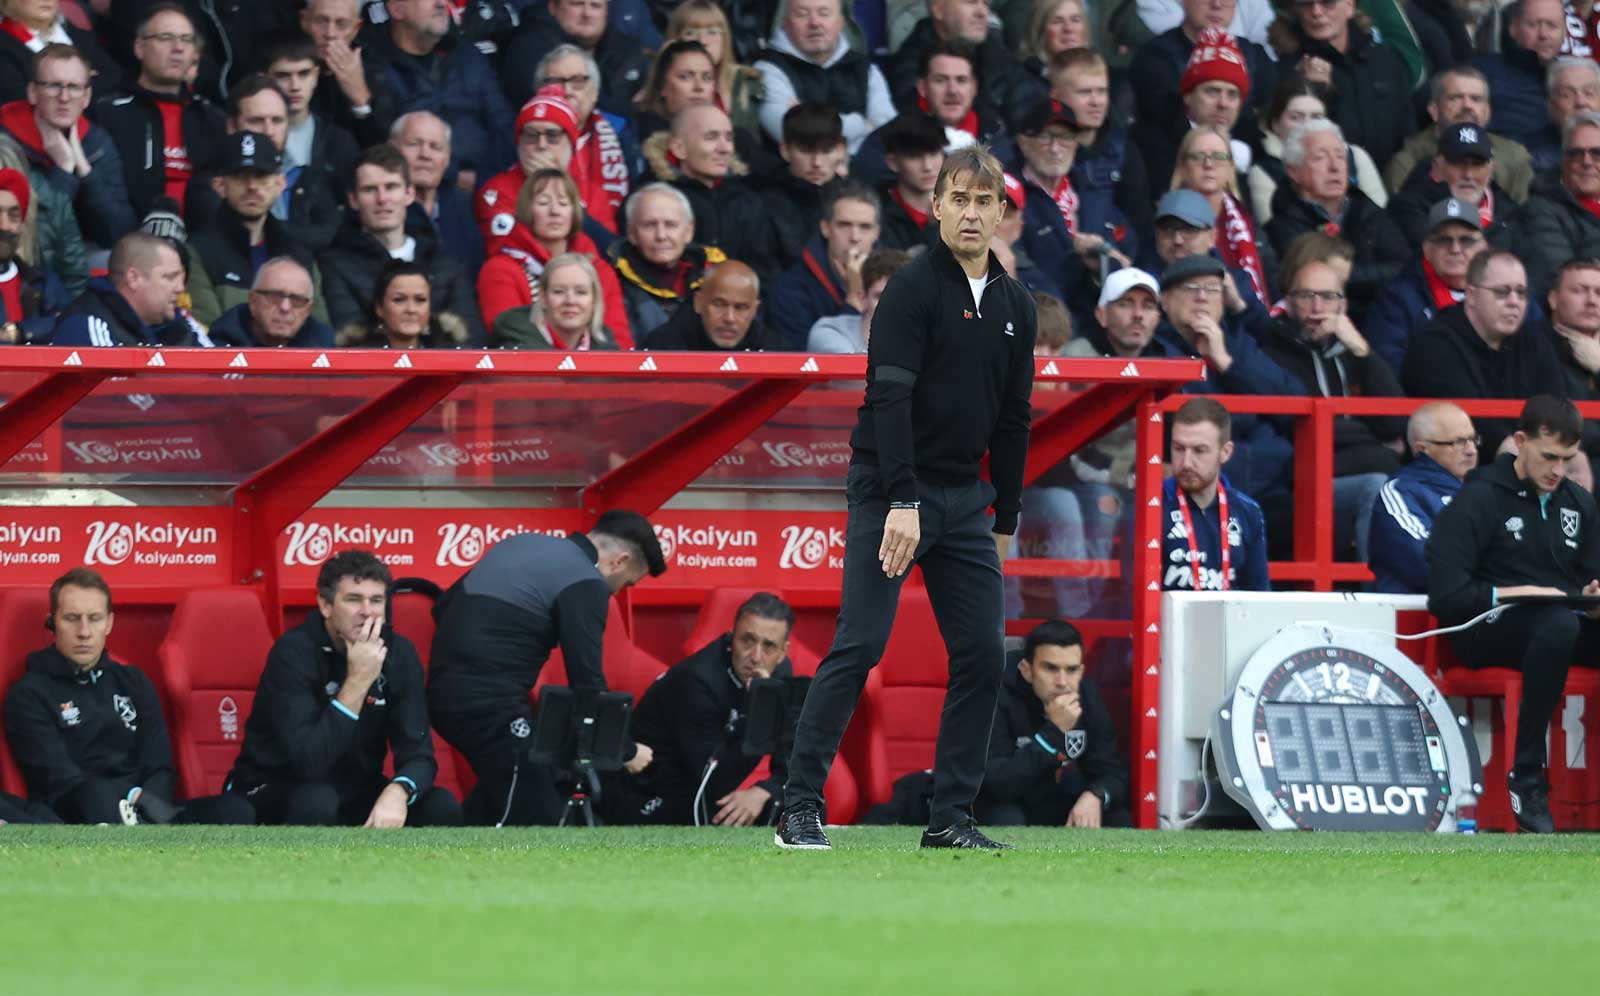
241	234
1462	170
1048	135
1128	312
1437	279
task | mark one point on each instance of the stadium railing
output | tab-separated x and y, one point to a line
176	470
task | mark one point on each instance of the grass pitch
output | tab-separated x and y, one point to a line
199	910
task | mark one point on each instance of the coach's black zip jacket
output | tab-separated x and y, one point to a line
1028	754
296	733
1497	533
948	381
65	725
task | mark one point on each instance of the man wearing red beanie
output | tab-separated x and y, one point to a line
25	292
546	133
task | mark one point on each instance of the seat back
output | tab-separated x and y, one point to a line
900	709
22	614
211	663
628	668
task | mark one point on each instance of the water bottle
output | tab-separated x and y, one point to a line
1467	812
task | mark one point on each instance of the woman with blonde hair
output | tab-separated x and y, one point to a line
1205	166
569	312
1054	26
549	223
738	87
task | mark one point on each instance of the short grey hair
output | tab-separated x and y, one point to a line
657	188
399	126
597	321
1563	63
261	271
561	52
1294	147
1583	119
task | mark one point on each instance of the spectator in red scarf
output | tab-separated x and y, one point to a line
1462	169
1432	282
913	147
827	281
1206	166
549	222
546	135
1319	195
602	155
1561	220
569	310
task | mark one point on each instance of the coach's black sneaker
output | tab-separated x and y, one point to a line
800	829
1530	802
963	835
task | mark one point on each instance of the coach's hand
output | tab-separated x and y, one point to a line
1002	545
1086	812
1592	588
390	809
642	756
364	658
741	808
902	531
1064	711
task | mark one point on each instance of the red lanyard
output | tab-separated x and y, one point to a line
1222	534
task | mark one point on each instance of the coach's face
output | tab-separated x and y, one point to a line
758	645
968	212
354	603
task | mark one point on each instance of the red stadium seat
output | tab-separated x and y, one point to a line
22	615
627	667
897	723
211	662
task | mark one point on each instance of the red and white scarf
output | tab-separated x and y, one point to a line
1236	244
1065	197
1441	292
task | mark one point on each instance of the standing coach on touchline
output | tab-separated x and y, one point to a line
949	375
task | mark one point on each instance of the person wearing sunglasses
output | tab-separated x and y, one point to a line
278	312
1557	223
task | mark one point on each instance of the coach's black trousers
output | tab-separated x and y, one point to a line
1541	641
962	571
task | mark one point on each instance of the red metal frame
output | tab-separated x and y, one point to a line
262	506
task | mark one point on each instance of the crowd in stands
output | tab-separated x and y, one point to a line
1400	198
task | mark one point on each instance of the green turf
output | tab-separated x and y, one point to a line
170	911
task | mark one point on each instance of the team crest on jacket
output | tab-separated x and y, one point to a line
1514	527
1569	522
1076	739
70	714
125	709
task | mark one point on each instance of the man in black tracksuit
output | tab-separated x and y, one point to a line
696	711
949	378
1053	756
338	693
1520	527
498	624
88	732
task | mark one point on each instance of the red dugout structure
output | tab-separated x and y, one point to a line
174	470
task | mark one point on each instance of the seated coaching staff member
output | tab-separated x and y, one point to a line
1053	754
949	379
338	692
88	732
1520	527
497	625
696	711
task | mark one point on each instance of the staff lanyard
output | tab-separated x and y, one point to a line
1222	535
